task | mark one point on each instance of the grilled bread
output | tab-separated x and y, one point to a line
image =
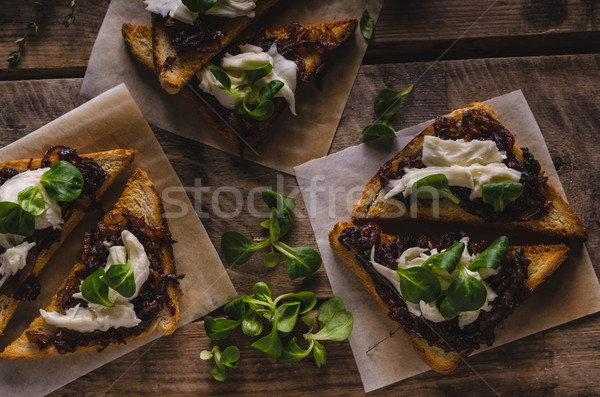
140	199
175	66
112	162
558	221
544	260
248	131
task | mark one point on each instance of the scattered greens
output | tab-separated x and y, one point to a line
447	260
119	277
281	314
62	182
228	358
255	99
447	311
425	187
299	262
366	25
492	256
387	103
199	6
499	195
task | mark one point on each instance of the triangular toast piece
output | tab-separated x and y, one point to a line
140	211
175	66
112	162
544	260
540	209
252	132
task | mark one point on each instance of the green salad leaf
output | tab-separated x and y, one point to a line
447	260
466	293
15	220
425	188
366	25
499	195
199	6
388	101
418	284
492	256
221	76
62	182
120	278
94	290
31	200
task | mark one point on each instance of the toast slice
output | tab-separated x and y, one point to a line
558	220
113	162
141	200
248	131
175	66
545	259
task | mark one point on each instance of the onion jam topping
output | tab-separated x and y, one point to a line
479	125
509	284
153	296
24	285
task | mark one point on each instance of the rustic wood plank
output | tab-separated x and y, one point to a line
562	93
52	51
414	30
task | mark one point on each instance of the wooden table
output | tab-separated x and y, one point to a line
547	48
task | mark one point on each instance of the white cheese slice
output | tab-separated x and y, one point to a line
223	8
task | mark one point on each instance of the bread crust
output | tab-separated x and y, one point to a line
113	162
139	43
545	259
560	221
139	198
188	63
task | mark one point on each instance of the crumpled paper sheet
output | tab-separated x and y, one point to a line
111	121
572	292
295	139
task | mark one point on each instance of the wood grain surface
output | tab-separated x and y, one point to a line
562	92
562	96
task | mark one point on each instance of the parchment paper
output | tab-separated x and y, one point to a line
112	121
572	292
295	139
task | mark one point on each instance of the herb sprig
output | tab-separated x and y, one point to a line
299	262
250	312
366	25
33	26
386	105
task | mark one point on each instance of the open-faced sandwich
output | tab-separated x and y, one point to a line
447	294
41	202
465	168
255	78
124	287
186	34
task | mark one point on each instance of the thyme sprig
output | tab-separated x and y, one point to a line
33	26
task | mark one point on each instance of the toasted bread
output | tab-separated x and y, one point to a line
113	162
182	65
560	221
248	131
544	260
141	199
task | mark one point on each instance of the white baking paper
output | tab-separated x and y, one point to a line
110	121
572	292
295	139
